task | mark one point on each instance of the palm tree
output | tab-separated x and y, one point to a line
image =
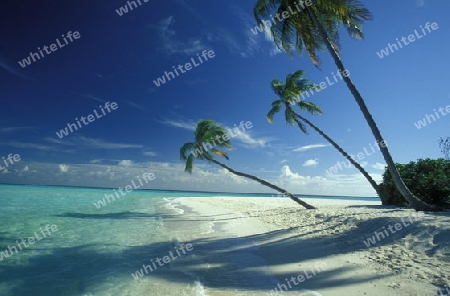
316	26
289	94
209	133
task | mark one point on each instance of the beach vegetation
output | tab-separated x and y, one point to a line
428	179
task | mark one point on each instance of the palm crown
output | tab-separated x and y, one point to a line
207	132
289	94
299	32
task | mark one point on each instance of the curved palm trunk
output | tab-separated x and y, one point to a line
349	158
291	196
413	201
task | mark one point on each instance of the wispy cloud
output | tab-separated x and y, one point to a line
11	70
134	105
309	147
244	137
195	82
420	3
100	144
189	125
172	44
84	142
15	129
250	141
92	97
252	43
25	145
149	153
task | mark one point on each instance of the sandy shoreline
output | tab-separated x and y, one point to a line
413	258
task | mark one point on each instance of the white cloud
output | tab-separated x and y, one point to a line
420	3
310	163
26	169
308	147
379	166
125	163
286	172
64	168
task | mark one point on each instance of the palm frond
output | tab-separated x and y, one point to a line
309	107
185	149
189	164
276	107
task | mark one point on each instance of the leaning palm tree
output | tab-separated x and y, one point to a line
288	96
315	27
209	133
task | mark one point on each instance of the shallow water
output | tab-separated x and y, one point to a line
96	249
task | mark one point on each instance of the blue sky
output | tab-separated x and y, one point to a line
117	58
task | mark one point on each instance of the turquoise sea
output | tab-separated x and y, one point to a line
90	250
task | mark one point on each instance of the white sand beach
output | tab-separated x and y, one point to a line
413	258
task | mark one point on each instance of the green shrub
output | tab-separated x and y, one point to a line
428	179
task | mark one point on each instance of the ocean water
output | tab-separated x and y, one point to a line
74	246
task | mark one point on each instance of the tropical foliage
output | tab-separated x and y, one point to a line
429	179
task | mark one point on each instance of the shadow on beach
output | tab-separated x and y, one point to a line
73	270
